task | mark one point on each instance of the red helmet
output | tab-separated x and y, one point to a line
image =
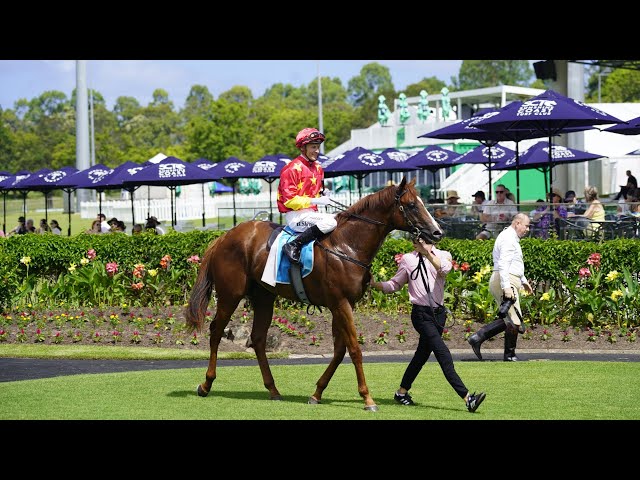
309	135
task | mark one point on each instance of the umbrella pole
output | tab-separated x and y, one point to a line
100	201
270	203
4	212
24	204
203	220
69	211
234	203
133	215
517	174
550	166
46	210
149	201
434	184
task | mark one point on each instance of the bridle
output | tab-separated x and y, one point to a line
414	230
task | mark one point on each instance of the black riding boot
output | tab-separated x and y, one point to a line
294	247
488	331
510	341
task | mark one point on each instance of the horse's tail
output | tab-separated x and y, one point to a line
201	292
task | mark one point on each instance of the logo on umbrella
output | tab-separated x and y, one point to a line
536	107
437	156
96	175
54	177
398	156
171	170
372	160
264	166
233	167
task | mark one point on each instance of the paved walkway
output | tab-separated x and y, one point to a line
14	369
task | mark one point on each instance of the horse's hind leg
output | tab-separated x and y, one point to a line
224	310
339	350
262	302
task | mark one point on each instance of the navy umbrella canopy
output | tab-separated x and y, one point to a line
17	183
46	182
432	158
537	156
268	168
550	114
631	127
232	169
486	156
207	166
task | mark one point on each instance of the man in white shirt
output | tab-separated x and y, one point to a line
496	213
505	283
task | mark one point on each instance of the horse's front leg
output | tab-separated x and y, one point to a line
339	349
346	330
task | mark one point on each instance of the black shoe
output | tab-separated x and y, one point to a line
511	358
403	399
474	401
474	341
292	251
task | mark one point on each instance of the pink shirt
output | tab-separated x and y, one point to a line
417	293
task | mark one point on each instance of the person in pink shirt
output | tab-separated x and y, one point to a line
425	271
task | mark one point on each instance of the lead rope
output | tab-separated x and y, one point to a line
414	275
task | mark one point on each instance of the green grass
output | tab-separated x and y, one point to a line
522	391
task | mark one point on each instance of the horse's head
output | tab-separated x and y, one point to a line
415	218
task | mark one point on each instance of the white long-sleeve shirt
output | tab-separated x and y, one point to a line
507	257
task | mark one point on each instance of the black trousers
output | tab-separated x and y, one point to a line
430	331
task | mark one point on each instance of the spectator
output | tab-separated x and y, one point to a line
55	227
44	226
113	223
29	225
632	184
154	224
548	214
453	207
20	229
137	228
479	200
118	227
573	204
595	213
496	214
104	225
96	226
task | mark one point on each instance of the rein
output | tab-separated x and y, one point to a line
415	231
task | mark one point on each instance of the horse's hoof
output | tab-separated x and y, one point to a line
276	397
201	392
371	408
313	401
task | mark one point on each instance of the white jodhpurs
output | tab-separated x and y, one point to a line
300	220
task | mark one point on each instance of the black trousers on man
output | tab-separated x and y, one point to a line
430	331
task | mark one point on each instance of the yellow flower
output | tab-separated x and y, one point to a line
84	261
383	272
72	267
590	317
545	297
477	277
484	270
25	260
612	275
616	294
153	272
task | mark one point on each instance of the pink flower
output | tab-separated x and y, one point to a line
112	268
584	272
465	266
455	265
137	286
594	259
91	254
193	259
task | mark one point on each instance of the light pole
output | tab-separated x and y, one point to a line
600	75
320	107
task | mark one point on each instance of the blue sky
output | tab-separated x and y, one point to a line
139	78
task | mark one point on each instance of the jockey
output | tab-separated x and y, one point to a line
299	194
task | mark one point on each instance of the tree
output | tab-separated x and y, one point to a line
198	101
374	79
238	94
432	85
619	86
489	73
125	109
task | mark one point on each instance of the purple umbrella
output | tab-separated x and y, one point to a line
169	172
232	169
631	127
46	182
394	155
432	158
17	182
537	156
486	156
550	114
269	168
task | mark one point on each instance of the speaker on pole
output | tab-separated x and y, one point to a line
545	69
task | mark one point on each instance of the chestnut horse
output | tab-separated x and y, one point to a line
234	264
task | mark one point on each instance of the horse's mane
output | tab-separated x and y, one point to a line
370	202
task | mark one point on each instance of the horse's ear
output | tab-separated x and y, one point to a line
403	183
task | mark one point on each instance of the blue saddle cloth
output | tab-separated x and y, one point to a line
282	261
